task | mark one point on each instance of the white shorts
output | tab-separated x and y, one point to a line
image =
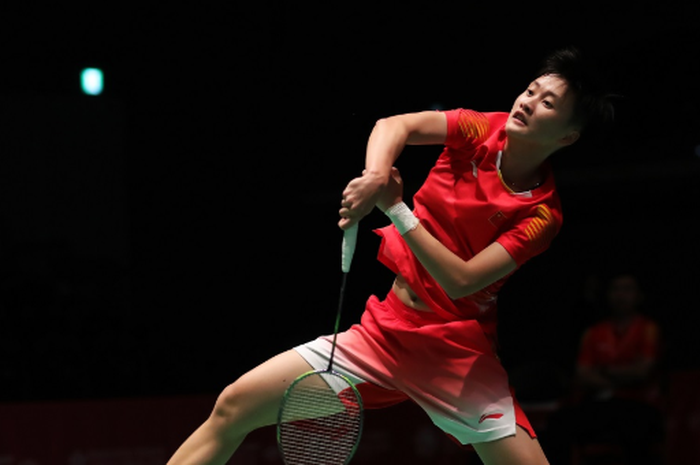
448	368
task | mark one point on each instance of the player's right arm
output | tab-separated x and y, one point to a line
386	142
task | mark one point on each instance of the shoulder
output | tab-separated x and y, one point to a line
531	231
469	128
545	222
542	203
475	124
542	218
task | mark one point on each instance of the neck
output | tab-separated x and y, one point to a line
521	166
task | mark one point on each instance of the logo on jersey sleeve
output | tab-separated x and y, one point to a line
542	227
474	126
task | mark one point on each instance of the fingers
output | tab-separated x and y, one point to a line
395	175
360	196
345	207
346	223
349	215
345	212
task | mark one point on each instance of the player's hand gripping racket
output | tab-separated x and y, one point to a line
320	419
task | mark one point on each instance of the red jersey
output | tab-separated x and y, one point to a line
603	345
466	205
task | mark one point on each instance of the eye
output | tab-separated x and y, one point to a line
547	104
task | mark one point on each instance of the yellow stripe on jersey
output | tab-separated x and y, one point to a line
473	125
542	227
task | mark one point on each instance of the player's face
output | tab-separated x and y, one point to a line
542	113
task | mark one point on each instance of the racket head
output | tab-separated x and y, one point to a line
320	419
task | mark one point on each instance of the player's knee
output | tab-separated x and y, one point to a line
228	404
235	407
227	420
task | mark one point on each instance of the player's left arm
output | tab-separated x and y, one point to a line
458	277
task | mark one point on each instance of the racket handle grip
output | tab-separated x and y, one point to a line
349	242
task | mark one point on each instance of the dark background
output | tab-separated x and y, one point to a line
180	228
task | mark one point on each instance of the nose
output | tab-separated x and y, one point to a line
525	106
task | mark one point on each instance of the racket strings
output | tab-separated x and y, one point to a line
321	420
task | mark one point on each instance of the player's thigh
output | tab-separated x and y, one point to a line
520	449
257	394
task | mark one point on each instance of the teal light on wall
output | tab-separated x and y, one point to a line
92	81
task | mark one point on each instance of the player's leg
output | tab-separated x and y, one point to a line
249	403
520	449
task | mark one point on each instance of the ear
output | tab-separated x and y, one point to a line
570	138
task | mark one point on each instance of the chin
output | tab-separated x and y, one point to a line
515	131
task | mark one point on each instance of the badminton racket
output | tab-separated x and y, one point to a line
320	419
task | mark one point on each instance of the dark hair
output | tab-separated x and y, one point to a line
594	110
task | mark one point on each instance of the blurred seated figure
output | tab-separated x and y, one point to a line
617	399
618	356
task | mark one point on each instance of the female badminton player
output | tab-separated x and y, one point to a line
488	205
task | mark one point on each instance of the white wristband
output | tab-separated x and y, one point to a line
402	217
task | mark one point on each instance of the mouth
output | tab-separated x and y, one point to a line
519	116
